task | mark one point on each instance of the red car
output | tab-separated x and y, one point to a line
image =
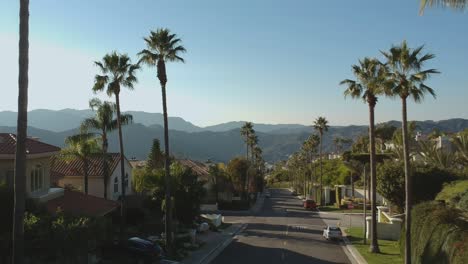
310	204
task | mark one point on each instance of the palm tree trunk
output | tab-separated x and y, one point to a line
22	125
374	247
408	186
86	176
168	224
122	169
321	173
105	145
365	206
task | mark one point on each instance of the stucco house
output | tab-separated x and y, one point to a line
38	156
69	173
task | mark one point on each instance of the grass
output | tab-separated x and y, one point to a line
390	250
453	189
335	209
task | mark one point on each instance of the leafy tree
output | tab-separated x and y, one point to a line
237	169
81	146
371	82
117	71
408	82
361	145
162	47
104	122
321	126
461	143
22	124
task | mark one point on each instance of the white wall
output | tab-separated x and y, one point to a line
116	174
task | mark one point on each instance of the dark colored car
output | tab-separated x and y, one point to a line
143	248
310	204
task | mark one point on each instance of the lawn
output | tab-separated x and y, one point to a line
390	250
334	209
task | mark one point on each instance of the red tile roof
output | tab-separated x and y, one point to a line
200	168
33	146
74	167
80	204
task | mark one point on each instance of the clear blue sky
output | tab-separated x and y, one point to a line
270	61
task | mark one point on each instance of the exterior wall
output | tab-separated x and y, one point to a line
95	184
116	174
8	165
387	231
5	167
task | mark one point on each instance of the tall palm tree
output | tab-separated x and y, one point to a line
162	47
81	146
21	135
252	142
408	78
321	126
454	4
246	132
104	122
117	71
372	81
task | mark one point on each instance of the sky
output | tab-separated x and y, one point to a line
266	61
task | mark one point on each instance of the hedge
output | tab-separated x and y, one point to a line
439	234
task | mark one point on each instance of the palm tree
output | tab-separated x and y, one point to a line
21	135
454	4
252	142
162	47
371	81
408	78
104	122
246	131
321	125
81	146
117	72
461	143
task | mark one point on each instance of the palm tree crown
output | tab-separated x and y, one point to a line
321	124
372	80
105	120
162	46
117	70
405	70
454	4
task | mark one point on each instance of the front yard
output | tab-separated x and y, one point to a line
390	250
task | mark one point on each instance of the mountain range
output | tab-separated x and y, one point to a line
219	142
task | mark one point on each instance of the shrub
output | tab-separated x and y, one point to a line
439	234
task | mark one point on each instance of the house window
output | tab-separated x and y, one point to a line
126	181
116	185
37	178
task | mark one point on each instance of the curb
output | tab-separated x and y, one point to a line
352	253
218	249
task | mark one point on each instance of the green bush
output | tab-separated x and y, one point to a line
439	234
456	194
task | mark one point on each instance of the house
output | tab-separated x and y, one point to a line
202	170
69	173
38	156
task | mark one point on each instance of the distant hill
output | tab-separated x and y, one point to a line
218	143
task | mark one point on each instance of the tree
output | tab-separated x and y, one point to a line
246	133
81	146
454	4
117	72
156	156
321	125
162	47
21	135
371	81
237	169
408	79
104	122
461	143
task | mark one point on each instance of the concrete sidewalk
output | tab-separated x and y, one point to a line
215	242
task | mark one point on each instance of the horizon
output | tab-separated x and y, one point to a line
251	76
255	123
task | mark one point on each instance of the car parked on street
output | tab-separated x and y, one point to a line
332	233
310	204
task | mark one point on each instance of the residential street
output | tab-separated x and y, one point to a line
282	232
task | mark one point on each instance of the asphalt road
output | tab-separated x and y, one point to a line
283	232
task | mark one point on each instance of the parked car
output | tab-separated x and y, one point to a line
310	204
143	248
332	232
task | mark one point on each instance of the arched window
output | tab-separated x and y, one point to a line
116	185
